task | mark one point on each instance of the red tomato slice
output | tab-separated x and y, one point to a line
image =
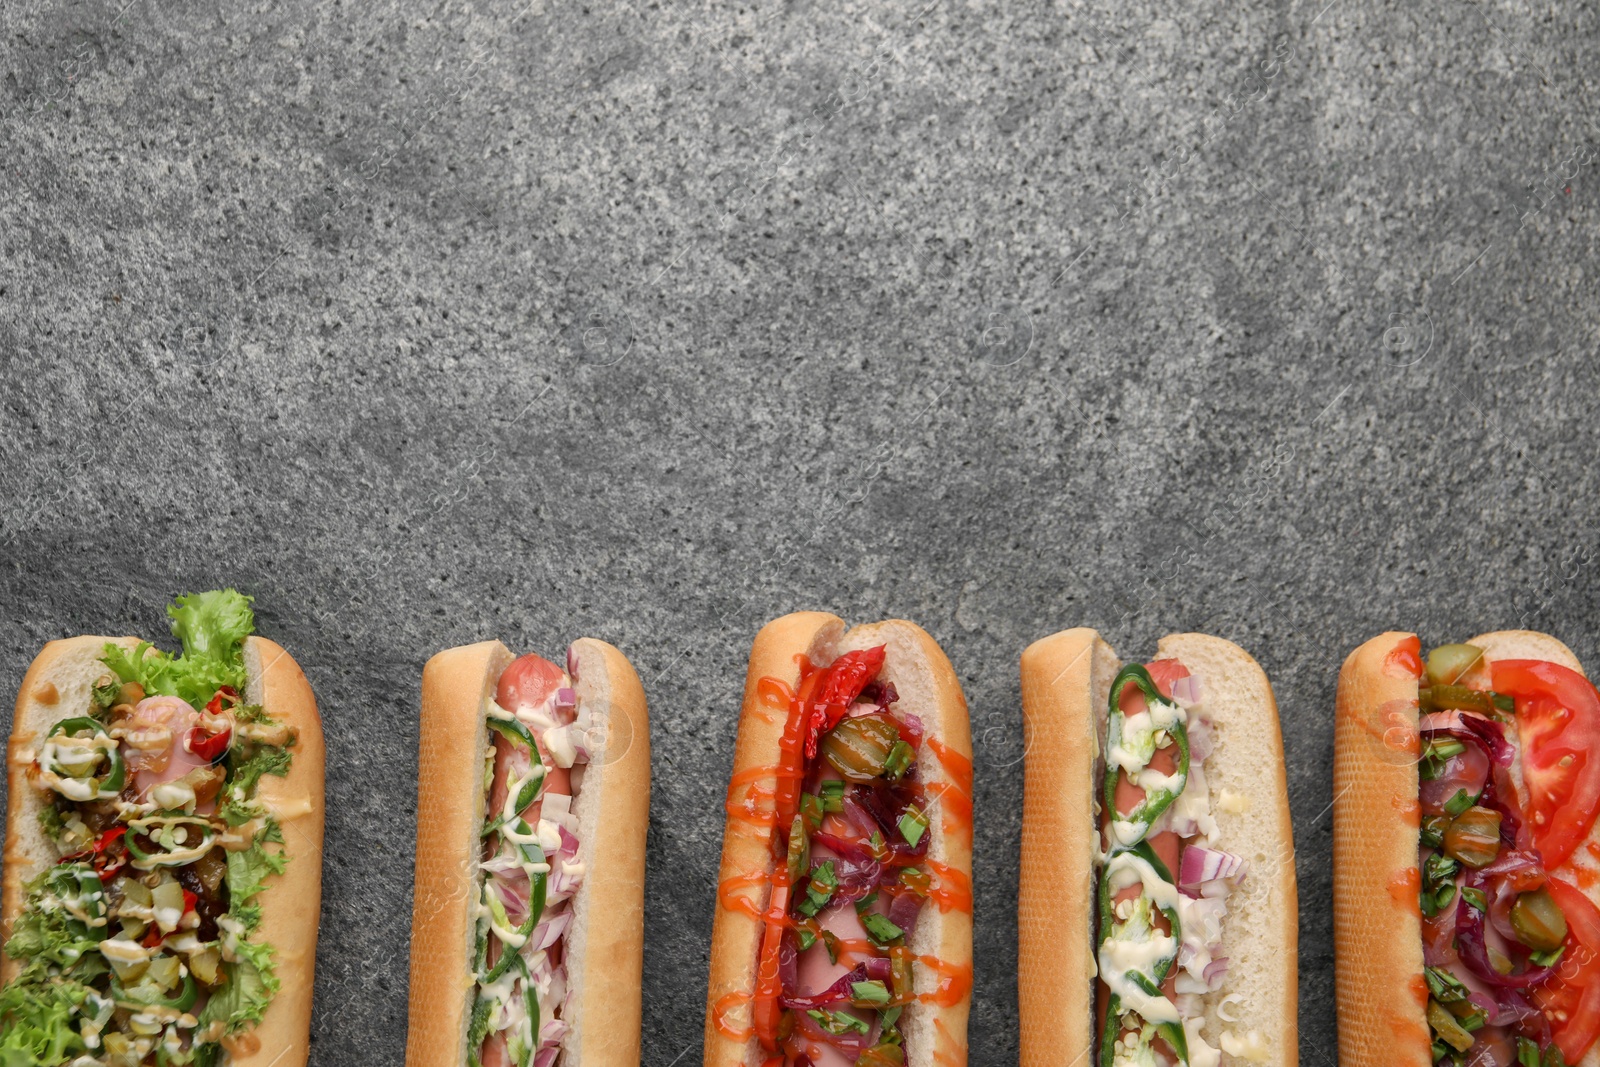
1164	672
1575	991
1558	723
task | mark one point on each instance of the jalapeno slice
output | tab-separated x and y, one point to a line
521	836
518	734
81	761
1156	801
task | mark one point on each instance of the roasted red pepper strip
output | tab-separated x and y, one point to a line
215	704
849	675
208	747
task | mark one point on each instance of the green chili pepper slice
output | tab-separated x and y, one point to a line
161	831
539	886
518	734
1150	808
1149	983
90	787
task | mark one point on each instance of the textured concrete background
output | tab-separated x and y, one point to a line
426	323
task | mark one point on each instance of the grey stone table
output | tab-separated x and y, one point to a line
426	323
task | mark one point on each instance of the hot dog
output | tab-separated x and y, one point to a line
1157	911
843	931
1466	862
528	912
163	850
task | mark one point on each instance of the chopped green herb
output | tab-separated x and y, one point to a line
867	993
1475	897
830	941
866	902
832	795
1548	959
839	1023
1459	803
898	761
1444	986
880	929
913	824
812	811
819	889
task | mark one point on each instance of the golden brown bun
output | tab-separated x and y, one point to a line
605	943
58	686
1377	929
1066	682
450	801
291	904
605	957
928	688
1065	679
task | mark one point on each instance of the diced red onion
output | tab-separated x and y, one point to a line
1186	690
549	930
903	912
911	730
1201	865
547	1056
788	965
856	871
1201	743
1215	970
551	1031
572	662
566	698
876	968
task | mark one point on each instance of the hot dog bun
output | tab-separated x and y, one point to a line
1066	680
1377	925
605	958
928	688
57	686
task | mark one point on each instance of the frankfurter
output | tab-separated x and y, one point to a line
163	859
1466	862
843	930
1157	910
533	801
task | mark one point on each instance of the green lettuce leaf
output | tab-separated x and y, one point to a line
212	627
243	999
247	772
247	874
36	1021
45	931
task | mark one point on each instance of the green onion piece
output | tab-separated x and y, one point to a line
819	889
804	938
1444	986
832	795
1433	828
1459	803
866	902
812	811
877	848
880	929
1553	1057
1548	959
799	849
913	824
1502	702
918	881
1527	1053
830	941
890	1017
1444	748
839	1023
1476	898
900	757
868	993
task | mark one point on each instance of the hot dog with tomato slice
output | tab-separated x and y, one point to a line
843	932
1466	865
1157	910
528	915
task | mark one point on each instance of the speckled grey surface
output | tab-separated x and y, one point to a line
426	323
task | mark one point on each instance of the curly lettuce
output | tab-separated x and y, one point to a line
212	627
